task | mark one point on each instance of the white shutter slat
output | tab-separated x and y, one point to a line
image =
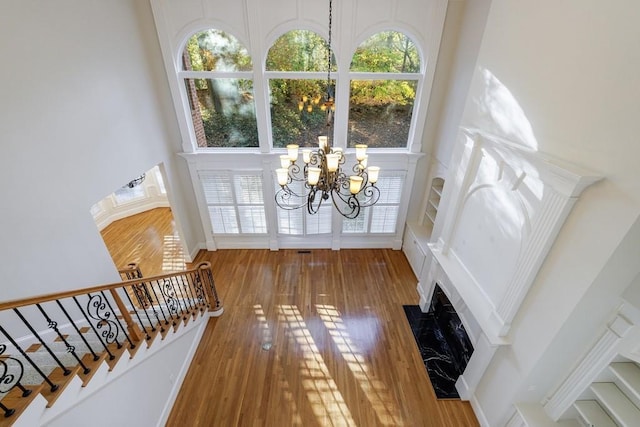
290	222
252	219
223	219
217	189
249	189
319	223
358	224
235	202
390	188
383	219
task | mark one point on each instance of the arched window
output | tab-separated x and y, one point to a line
296	68
216	69
384	75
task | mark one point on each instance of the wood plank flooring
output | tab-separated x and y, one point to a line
149	238
338	349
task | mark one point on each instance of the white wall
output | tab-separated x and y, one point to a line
562	78
84	107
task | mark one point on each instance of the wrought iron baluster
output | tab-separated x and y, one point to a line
174	298
166	322
166	303
140	296
10	378
66	370
196	283
80	334
7	411
185	290
53	387
197	286
180	297
70	349
133	307
204	269
122	328
102	315
153	309
104	344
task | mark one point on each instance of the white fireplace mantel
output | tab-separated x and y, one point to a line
504	208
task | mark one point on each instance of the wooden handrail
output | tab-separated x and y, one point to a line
116	318
7	305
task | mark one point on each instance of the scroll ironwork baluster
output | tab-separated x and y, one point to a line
10	378
173	298
184	290
53	387
66	370
102	315
197	286
104	343
178	291
166	303
52	324
80	334
124	330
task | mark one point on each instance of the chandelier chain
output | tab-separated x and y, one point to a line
329	46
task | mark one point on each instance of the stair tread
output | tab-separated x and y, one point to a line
593	414
57	377
629	374
621	409
14	400
82	346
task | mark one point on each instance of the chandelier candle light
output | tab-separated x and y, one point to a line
323	178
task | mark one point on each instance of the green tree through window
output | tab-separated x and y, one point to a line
222	102
297	65
385	70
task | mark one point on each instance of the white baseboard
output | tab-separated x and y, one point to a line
477	409
195	250
181	375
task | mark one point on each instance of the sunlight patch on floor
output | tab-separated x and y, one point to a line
375	390
267	337
172	254
325	399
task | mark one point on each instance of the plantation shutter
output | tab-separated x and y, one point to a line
383	216
298	222
235	202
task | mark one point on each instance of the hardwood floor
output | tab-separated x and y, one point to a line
341	352
306	339
149	238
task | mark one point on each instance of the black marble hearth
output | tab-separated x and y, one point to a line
442	341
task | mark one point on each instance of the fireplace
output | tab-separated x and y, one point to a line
443	342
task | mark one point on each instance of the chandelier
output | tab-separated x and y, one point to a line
322	176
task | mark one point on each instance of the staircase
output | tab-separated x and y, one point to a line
615	402
52	342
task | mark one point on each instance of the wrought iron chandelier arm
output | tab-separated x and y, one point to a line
372	195
347	205
285	197
294	171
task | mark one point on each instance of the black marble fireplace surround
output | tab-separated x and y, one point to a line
443	343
